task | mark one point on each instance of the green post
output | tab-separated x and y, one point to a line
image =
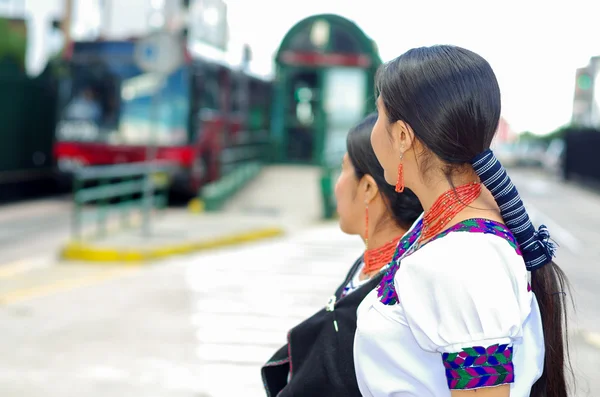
147	199
77	185
320	125
326	193
103	209
162	195
279	117
126	203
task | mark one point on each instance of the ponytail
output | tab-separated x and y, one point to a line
548	281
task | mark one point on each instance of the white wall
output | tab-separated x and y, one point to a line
112	18
126	18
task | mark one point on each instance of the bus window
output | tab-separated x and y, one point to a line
224	84
108	98
85	105
236	99
259	105
156	109
90	103
211	96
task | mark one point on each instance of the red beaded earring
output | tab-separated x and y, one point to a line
400	180
365	259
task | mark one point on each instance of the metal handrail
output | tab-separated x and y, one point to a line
132	179
121	170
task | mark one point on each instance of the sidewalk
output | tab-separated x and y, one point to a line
280	199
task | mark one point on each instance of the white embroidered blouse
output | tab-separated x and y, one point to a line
460	315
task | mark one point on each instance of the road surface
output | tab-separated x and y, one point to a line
32	231
197	326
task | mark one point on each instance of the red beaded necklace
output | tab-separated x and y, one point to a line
377	258
446	207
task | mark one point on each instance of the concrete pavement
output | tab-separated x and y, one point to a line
195	326
34	229
572	214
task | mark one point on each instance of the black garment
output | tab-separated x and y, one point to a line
322	362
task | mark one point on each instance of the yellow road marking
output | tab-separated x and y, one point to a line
126	257
24	294
592	338
13	268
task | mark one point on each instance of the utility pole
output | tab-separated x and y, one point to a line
107	12
160	54
66	22
245	86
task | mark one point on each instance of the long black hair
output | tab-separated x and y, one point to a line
451	99
404	208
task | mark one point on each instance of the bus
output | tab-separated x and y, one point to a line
202	117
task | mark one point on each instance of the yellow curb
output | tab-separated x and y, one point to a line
90	253
196	206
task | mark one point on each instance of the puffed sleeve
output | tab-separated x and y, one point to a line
465	297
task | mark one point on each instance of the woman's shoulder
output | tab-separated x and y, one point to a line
476	284
478	243
463	255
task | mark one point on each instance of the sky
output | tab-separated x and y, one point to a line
533	46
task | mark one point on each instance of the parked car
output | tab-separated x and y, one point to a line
530	154
506	153
554	156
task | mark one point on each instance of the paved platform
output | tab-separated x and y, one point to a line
192	326
280	199
173	233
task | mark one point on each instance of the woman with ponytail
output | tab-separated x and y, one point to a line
475	304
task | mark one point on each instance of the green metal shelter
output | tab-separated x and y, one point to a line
324	84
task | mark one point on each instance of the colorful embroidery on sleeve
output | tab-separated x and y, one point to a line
477	367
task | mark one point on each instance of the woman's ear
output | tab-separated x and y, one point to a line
404	134
369	188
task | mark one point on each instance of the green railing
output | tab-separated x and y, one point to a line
240	164
123	190
330	170
216	194
237	156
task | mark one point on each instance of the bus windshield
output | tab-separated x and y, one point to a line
105	97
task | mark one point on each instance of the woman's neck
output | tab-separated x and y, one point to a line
373	257
483	206
384	235
429	192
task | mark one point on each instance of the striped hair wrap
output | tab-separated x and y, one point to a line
536	247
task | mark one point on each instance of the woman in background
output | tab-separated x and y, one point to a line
318	361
